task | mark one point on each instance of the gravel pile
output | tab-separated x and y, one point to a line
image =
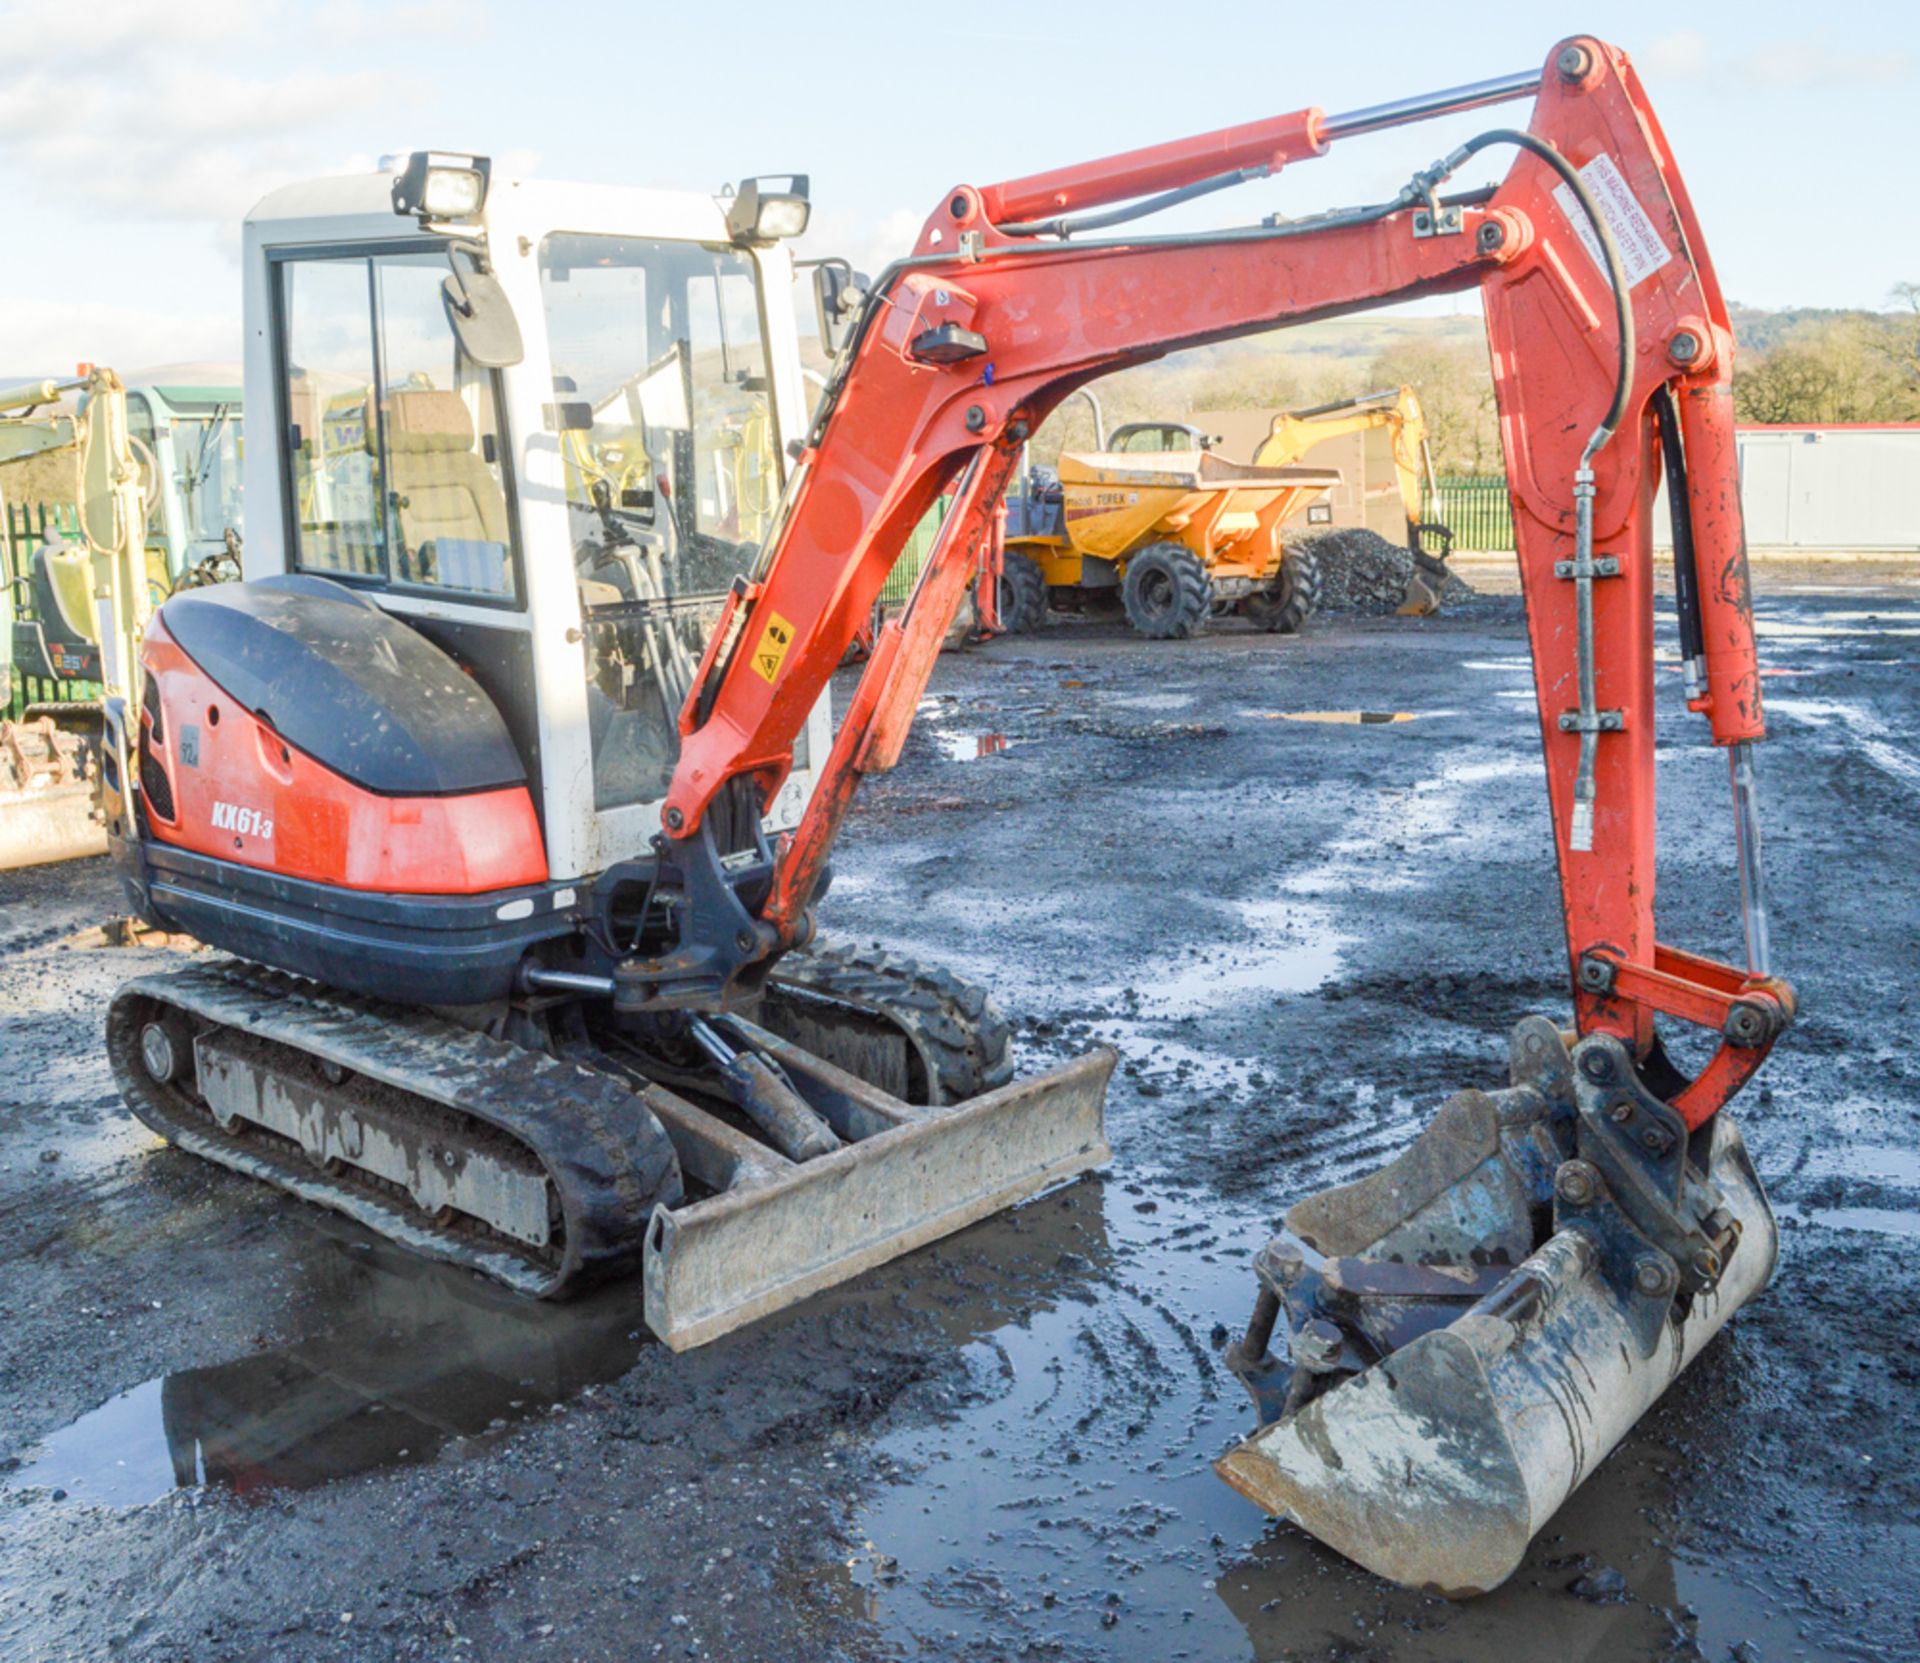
1362	572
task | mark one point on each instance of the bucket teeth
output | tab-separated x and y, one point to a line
1471	1328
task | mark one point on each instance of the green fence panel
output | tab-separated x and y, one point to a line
906	570
1477	508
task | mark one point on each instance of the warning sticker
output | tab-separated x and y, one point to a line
1641	250
772	651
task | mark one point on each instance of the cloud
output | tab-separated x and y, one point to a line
40	337
1806	63
1676	57
347	22
1688	55
102	32
162	124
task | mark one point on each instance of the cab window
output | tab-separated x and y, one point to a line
393	441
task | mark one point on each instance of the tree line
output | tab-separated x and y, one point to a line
1808	366
1789	368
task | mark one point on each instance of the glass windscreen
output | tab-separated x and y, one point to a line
393	440
208	453
665	421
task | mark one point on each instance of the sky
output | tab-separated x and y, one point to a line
134	134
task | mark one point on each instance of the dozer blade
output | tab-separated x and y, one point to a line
48	803
777	1231
1453	1369
545	1174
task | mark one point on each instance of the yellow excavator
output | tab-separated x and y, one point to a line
1295	432
86	606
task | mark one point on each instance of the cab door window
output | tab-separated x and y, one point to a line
393	439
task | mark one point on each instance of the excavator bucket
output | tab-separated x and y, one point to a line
1426	583
1474	1326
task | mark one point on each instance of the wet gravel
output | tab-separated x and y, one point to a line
232	1429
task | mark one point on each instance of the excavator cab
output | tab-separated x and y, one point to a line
509	454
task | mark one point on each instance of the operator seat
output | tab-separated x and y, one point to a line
451	510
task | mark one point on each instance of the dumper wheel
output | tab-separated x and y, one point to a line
1294	597
1023	593
1168	593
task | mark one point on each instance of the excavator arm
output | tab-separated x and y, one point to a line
1612	357
1294	433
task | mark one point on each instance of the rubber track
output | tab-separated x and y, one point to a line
607	1157
963	1041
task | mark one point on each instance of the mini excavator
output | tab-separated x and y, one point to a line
506	776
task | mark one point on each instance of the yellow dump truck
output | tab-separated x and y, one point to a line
1158	525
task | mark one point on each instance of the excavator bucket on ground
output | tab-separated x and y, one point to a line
1471	1328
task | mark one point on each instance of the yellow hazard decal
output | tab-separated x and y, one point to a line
772	651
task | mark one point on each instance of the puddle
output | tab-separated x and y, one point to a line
1363	718
1890	1163
1406	827
1068	1505
1150	701
1876	1221
971	747
412	1357
1293	949
1779	630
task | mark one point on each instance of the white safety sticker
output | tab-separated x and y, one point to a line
1641	250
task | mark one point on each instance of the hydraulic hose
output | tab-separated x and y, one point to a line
1686	574
1580	833
1064	228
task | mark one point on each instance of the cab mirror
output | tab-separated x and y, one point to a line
482	319
838	294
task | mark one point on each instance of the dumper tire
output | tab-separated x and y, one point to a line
1294	597
1168	593
1022	593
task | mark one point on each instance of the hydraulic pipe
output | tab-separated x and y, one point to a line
1475	95
1260	146
38	392
575	982
1265	145
1385	395
1746	835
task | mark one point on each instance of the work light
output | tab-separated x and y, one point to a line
762	213
437	185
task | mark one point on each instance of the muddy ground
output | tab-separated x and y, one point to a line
235	1429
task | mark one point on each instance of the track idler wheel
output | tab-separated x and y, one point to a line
1444	1349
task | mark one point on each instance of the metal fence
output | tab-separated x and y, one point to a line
906	570
28	526
1477	508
